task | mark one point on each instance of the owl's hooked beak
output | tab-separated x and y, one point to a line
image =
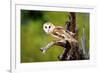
48	30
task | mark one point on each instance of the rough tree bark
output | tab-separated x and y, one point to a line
73	21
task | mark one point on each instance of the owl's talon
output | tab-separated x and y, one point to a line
43	50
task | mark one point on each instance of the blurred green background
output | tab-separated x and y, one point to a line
33	37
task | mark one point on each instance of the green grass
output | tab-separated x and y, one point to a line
33	37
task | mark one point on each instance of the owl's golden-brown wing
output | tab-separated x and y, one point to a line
59	32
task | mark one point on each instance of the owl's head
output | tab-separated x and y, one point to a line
48	27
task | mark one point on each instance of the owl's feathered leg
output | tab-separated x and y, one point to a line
44	49
57	42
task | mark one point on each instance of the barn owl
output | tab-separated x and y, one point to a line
58	32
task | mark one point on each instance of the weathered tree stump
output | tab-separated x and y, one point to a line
72	51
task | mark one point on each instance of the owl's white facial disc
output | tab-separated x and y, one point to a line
48	27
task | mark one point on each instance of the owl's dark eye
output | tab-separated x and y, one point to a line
45	26
49	26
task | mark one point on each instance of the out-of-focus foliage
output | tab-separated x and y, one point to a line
33	37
